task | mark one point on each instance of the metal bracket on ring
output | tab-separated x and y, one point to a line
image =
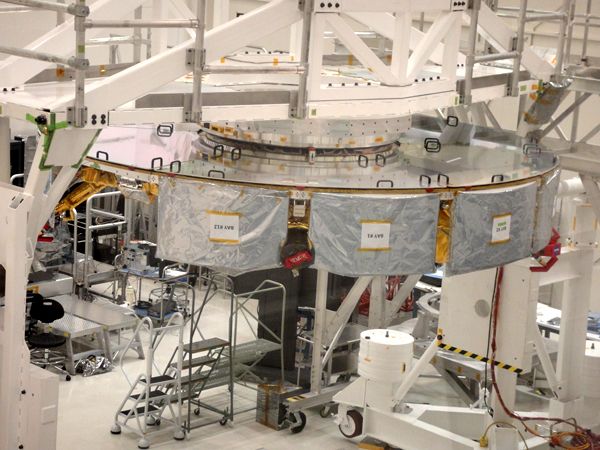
165	130
432	145
218	151
425	177
380	182
173	163
158	158
236	153
444	177
100	152
531	148
216	171
363	161
452	121
380	160
497	178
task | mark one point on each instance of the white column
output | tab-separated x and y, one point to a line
221	10
401	44
4	149
296	40
319	331
572	338
14	355
315	55
159	35
452	49
377	303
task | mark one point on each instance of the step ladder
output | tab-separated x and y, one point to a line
152	392
201	359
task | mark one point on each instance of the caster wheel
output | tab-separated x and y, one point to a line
298	425
115	429
354	424
179	435
224	421
68	378
152	422
325	411
197	411
143	444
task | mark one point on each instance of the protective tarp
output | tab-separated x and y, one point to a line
226	228
545	104
545	209
491	228
357	235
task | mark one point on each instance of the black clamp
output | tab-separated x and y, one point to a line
380	182
452	121
153	166
100	152
432	145
531	148
218	151
210	172
443	176
165	129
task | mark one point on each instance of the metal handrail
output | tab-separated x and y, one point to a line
16	176
129	345
89	228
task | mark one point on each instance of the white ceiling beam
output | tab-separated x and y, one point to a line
361	51
421	54
384	24
149	75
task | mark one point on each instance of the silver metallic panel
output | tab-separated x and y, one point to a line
545	211
337	230
186	212
478	242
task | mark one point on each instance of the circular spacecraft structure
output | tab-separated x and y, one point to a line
353	197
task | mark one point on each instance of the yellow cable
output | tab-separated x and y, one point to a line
484	442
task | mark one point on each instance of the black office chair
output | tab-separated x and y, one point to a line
46	310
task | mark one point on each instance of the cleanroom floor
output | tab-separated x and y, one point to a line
87	407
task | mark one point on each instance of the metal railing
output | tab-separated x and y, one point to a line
565	37
77	114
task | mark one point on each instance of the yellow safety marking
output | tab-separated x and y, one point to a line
222	213
224	241
477	357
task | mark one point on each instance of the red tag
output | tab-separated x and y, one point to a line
297	259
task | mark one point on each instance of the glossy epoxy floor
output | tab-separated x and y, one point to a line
87	407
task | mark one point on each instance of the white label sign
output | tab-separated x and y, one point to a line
375	235
299	209
224	227
501	229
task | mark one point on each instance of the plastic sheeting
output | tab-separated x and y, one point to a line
227	228
491	228
545	209
544	106
356	235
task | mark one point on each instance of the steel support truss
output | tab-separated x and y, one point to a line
393	87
